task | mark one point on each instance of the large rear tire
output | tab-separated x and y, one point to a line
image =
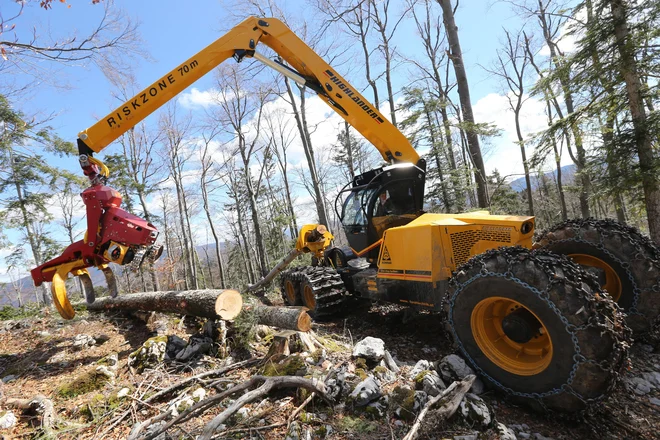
628	262
535	326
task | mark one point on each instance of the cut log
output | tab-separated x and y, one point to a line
212	303
288	318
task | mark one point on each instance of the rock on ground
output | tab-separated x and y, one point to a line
366	391
81	341
432	384
639	386
504	432
420	366
475	410
149	355
370	348
453	367
294	432
8	420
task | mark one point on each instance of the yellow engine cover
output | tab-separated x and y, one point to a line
432	246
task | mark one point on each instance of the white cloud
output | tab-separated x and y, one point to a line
196	98
206	98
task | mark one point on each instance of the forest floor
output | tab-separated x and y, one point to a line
38	356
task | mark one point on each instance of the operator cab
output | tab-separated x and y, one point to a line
380	199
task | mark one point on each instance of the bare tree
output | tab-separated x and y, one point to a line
472	137
386	24
511	65
356	19
175	132
112	41
280	137
209	175
241	111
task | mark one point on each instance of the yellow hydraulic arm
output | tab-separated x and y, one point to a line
306	68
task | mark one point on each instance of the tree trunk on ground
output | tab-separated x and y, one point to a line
643	138
289	318
466	105
213	303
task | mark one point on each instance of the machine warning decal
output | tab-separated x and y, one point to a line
386	259
131	107
390	271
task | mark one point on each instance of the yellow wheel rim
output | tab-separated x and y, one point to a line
309	298
612	281
290	291
523	359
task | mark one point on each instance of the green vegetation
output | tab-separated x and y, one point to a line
83	384
356	425
403	398
287	366
244	330
26	311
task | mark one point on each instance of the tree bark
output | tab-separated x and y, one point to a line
466	105
643	138
212	303
581	159
301	122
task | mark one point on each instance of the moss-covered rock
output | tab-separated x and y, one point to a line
149	355
419	379
402	402
361	373
356	425
83	384
284	366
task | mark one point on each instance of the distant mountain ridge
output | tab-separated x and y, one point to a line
567	177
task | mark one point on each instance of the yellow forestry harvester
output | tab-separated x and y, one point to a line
536	324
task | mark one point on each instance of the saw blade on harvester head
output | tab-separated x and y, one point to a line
137	260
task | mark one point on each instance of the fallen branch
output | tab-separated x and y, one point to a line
39	405
177	386
451	399
212	303
267	384
212	373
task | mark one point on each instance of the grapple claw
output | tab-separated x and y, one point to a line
110	279
58	291
88	286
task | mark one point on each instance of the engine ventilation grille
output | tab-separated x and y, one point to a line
462	242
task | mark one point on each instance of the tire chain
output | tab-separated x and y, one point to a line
647	251
604	315
328	287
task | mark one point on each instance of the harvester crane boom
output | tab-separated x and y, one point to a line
306	68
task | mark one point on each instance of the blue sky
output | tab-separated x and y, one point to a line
172	31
